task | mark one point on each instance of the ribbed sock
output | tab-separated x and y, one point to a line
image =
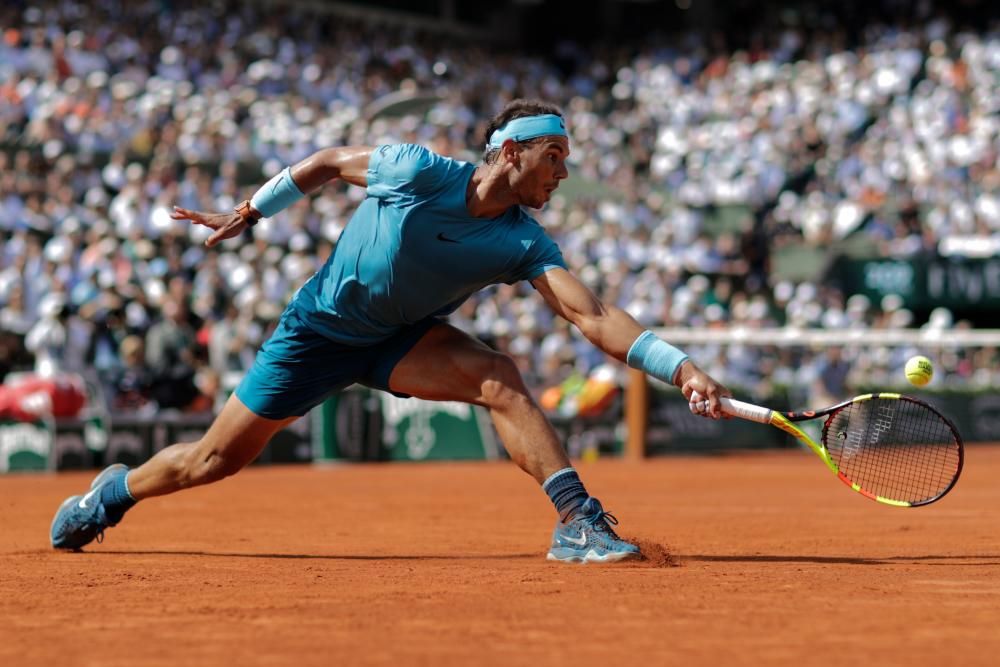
566	492
116	498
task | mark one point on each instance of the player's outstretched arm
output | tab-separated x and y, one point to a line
616	332
349	163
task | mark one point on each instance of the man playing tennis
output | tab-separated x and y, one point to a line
431	232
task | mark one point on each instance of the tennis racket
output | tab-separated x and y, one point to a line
892	448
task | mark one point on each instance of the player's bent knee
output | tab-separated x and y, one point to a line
503	386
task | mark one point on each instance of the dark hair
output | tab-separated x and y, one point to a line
519	108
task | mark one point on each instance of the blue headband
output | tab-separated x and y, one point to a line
528	127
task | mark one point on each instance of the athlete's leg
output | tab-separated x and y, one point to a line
233	440
449	365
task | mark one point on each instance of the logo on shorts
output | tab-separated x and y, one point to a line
442	237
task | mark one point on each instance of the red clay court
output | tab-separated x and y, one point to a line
756	558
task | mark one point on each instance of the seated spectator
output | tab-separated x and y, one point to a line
133	383
170	356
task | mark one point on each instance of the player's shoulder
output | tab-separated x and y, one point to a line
526	231
412	157
412	164
527	221
404	151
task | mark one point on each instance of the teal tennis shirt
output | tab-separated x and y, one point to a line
411	250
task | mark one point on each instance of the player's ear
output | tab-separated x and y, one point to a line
510	150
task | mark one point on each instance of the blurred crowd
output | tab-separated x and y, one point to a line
111	113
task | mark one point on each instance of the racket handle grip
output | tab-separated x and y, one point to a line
748	411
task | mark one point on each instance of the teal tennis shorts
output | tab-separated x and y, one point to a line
297	368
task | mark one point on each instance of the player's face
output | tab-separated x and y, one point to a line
543	167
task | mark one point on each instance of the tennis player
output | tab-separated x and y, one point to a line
431	232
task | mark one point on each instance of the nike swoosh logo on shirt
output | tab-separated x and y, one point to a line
83	501
442	237
579	541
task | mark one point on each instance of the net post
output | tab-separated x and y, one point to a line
636	414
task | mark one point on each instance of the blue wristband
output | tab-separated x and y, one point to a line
655	357
277	194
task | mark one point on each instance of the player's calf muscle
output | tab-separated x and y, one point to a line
182	466
207	466
189	464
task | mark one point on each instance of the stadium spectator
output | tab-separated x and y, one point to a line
48	338
170	356
133	382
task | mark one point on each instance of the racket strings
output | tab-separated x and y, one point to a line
894	448
911	466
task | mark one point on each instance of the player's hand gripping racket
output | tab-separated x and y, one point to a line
892	448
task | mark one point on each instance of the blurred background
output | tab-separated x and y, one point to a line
802	195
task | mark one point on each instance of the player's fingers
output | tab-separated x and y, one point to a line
702	409
690	389
190	215
215	238
695	401
714	404
194	216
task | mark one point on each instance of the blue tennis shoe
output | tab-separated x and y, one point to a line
80	519
589	538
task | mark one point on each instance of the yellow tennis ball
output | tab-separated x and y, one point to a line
919	370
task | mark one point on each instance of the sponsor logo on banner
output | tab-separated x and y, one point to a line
16	438
419	435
